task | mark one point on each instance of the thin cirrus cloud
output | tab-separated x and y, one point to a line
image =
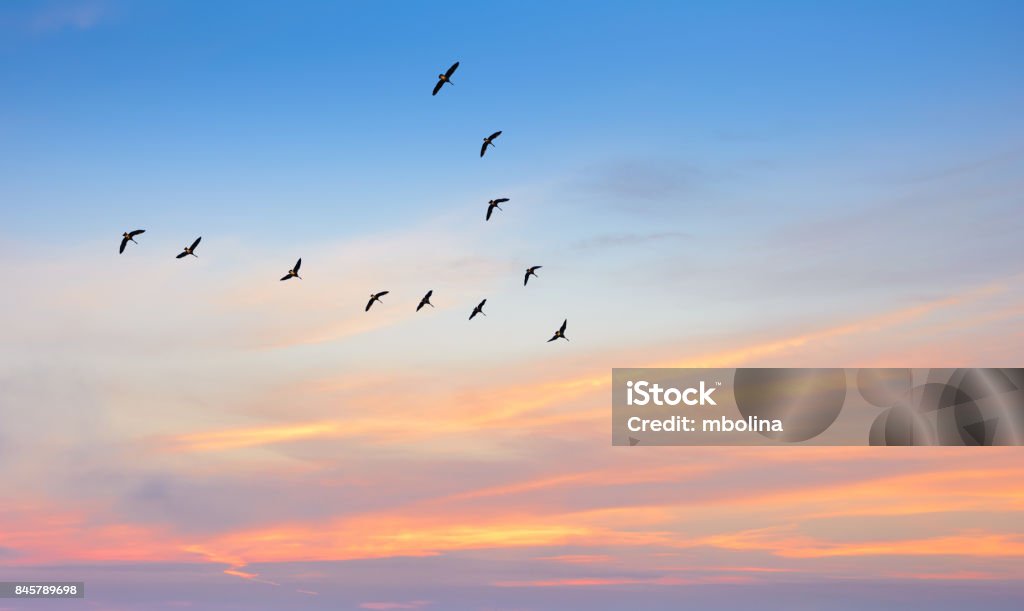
58	16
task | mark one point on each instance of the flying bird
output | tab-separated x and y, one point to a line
129	236
479	309
294	272
531	271
560	333
426	298
489	140
492	204
445	78
375	297
190	250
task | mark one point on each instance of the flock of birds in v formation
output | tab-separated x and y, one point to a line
442	79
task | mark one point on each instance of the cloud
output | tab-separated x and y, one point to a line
68	16
612	240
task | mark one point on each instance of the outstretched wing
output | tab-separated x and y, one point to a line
124	241
287	277
501	200
452	70
553	338
382	293
481	306
564	322
494	135
437	87
370	303
196	243
298	264
136	232
490	210
181	255
483	149
526	278
475	312
427	296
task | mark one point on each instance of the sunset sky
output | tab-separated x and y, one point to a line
723	184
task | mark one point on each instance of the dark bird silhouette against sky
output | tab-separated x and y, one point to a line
190	250
560	334
129	236
479	309
492	204
489	140
426	298
531	271
375	297
445	78
293	272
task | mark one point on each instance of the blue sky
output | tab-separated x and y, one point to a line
279	119
720	184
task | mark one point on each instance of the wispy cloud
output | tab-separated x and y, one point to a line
68	16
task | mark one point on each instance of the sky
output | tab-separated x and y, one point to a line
726	184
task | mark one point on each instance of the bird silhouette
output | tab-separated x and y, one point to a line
489	140
445	78
531	271
560	333
479	309
375	297
190	250
129	236
426	298
293	272
492	204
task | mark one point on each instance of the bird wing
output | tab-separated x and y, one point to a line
286	277
422	303
298	264
382	293
427	296
490	209
181	255
501	200
481	306
136	232
526	278
370	303
124	241
494	135
196	243
553	339
437	87
475	310
483	149
452	70
564	322
536	267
